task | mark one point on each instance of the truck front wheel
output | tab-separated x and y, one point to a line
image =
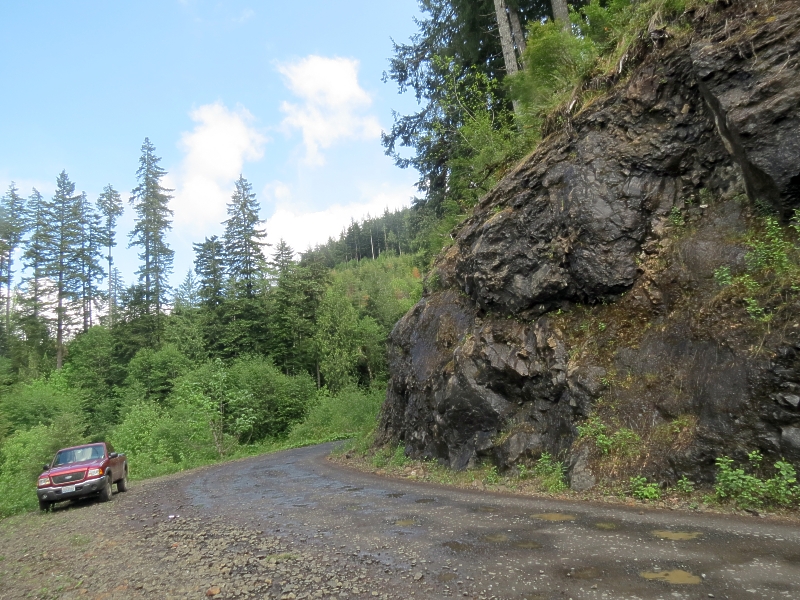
105	492
44	505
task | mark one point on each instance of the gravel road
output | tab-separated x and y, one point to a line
293	525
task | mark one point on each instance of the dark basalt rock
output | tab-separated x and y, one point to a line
478	368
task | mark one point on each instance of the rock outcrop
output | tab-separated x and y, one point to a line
497	361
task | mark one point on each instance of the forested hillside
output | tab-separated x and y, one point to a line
255	347
250	343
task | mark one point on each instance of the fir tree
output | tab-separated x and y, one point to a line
187	295
243	239
13	226
62	254
89	254
210	269
150	201
109	205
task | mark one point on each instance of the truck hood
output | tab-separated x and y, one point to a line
78	466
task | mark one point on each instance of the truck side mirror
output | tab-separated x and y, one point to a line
45	467
113	455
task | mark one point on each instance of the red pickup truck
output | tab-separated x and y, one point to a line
82	471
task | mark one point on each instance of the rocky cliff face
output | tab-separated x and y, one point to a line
583	284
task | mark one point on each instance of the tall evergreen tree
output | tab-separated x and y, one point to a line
89	255
13	226
243	239
109	205
282	258
209	266
187	295
62	255
150	201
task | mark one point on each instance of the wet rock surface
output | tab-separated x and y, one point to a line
292	525
635	205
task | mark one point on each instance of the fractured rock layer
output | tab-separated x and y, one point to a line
479	368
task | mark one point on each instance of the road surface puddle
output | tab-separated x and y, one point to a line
425	500
458	546
554	517
606	526
678	576
527	545
495	538
395	495
404	522
587	573
484	508
446	577
676	535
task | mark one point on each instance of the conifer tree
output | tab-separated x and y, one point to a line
109	205
210	269
150	201
187	296
13	226
62	256
243	239
89	254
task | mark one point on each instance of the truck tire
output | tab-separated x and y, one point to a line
105	492
122	484
44	505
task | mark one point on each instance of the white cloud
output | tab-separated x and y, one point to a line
333	107
215	152
304	229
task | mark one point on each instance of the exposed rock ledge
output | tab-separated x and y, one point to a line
483	365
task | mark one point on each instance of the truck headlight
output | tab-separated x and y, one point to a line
43	481
94	472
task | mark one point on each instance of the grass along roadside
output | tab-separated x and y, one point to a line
546	479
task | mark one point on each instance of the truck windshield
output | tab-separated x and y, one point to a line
66	457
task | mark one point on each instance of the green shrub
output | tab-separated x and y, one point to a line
555	62
723	276
40	402
351	413
684	485
769	250
399	458
642	490
24	452
492	477
623	442
748	490
550	473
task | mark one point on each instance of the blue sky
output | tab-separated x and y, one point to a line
289	94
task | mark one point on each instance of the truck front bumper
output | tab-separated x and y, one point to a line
87	487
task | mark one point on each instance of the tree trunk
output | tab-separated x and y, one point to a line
560	12
506	40
9	283
516	31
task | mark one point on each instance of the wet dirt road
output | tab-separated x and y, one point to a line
436	541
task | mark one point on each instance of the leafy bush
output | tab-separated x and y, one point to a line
40	402
684	485
350	413
642	490
157	371
23	454
622	442
550	473
748	490
555	61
